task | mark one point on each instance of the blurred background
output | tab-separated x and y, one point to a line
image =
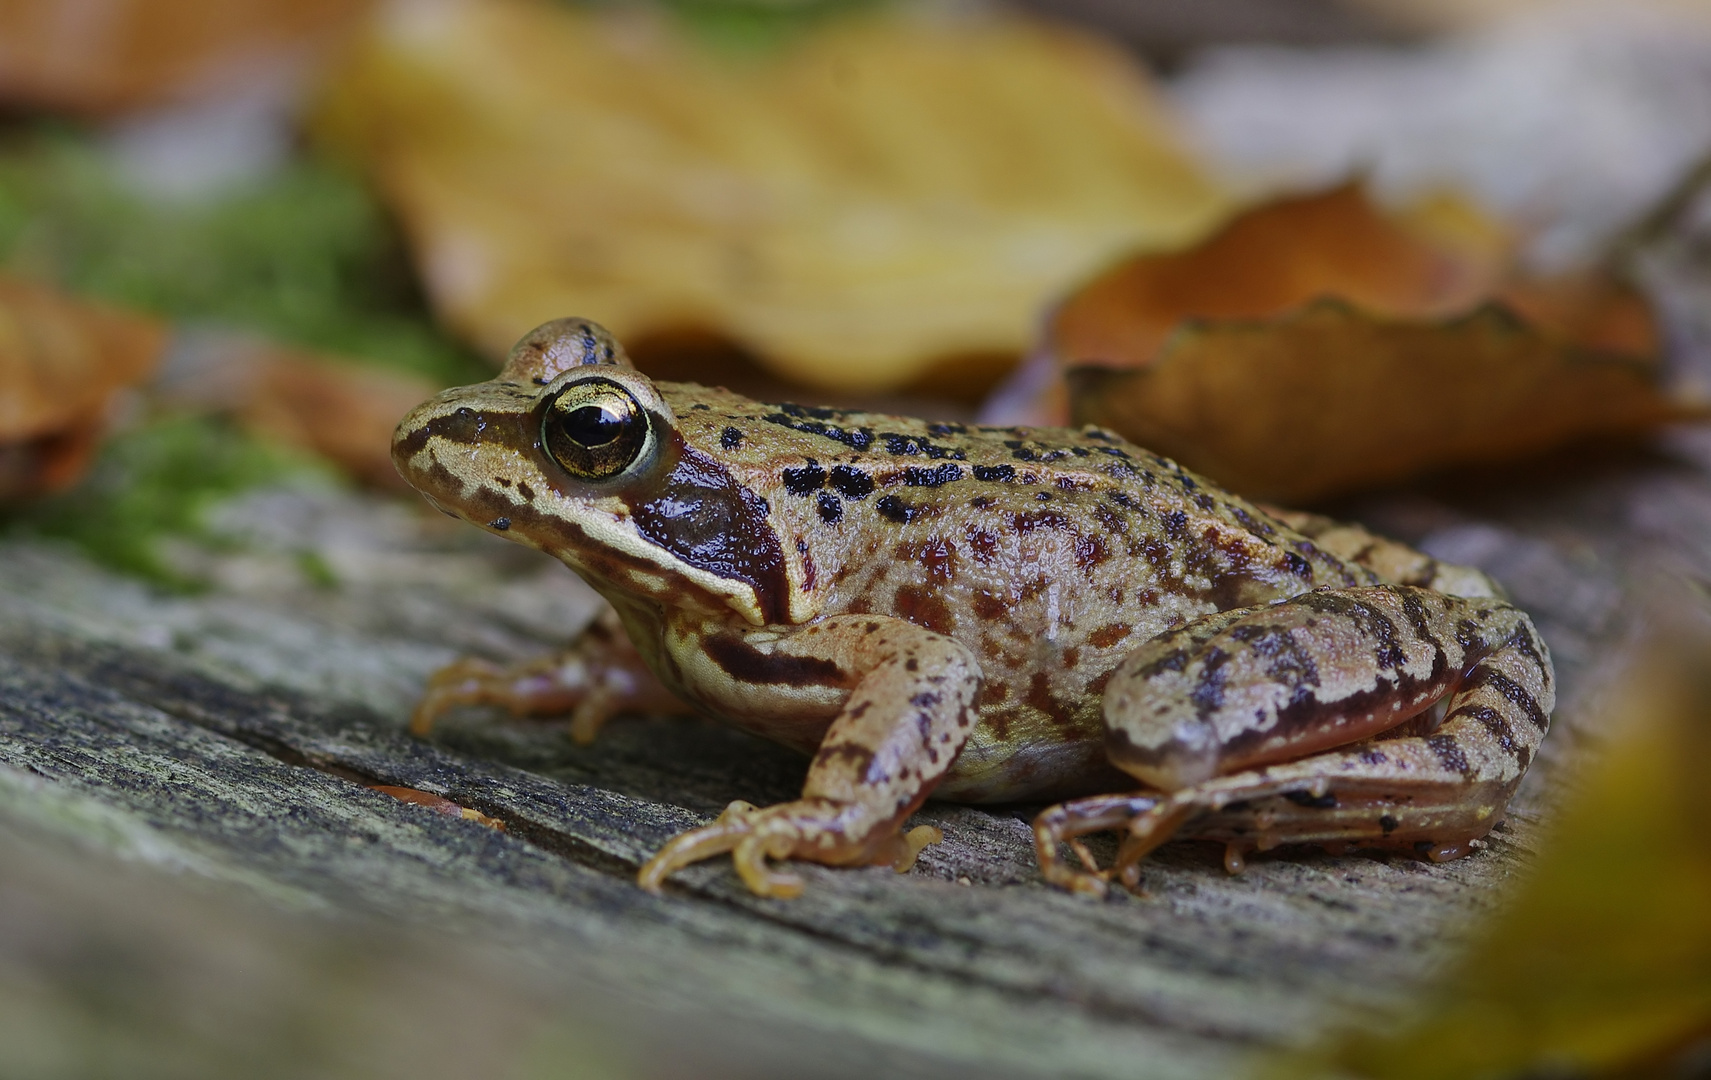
1310	247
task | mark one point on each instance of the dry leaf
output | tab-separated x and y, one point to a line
884	196
61	363
1273	259
438	804
1330	399
105	56
1230	358
1601	965
342	411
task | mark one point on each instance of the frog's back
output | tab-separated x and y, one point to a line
1051	553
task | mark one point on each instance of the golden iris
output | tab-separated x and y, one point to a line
595	429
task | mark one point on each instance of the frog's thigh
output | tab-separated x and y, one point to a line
1258	685
1230	715
1392	560
905	721
1433	794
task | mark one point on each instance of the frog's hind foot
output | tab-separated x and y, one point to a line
1067	823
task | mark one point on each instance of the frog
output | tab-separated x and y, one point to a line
979	614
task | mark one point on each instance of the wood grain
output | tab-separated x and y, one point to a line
194	875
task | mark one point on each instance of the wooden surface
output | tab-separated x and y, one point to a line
194	880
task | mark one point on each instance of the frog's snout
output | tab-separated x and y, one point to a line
445	444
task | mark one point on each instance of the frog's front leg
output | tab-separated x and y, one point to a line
600	675
1230	719
911	709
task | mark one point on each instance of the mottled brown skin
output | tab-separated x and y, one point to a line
984	615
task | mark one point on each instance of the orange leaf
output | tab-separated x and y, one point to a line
1316	346
61	363
1330	399
438	804
1265	262
104	56
884	197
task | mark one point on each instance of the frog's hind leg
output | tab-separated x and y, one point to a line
600	675
1212	715
1392	560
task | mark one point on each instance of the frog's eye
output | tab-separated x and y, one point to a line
595	429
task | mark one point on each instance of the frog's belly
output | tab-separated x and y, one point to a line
1010	759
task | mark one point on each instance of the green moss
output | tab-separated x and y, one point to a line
159	480
749	25
304	255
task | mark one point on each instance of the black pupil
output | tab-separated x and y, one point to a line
593	425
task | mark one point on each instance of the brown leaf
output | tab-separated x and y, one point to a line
106	56
1329	399
1270	260
342	411
61	363
884	197
438	804
1232	357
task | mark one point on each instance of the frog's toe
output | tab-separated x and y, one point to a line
750	858
1067	823
709	841
814	829
463	682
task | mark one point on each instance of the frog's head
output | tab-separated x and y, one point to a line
571	450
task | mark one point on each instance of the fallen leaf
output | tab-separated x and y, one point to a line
883	197
1600	965
1272	259
341	410
438	804
62	362
100	57
1328	398
1317	345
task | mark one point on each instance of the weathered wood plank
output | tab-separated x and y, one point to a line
227	737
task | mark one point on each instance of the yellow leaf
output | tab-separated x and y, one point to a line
885	196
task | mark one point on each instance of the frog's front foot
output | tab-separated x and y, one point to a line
816	829
597	677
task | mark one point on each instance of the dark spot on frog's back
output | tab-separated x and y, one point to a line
804	480
944	474
745	663
830	509
851	482
1049	520
924	608
698	512
894	508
